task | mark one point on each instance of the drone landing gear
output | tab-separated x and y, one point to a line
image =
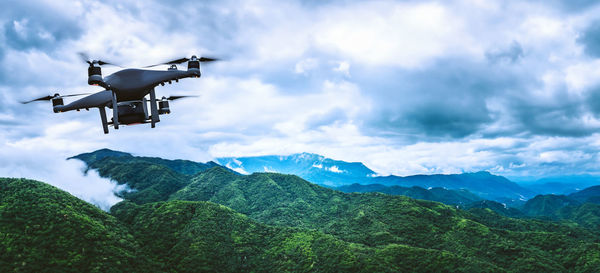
153	108
115	111
103	117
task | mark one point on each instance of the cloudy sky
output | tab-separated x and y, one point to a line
407	87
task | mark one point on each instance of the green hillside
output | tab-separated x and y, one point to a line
376	220
494	206
564	208
202	236
181	166
449	197
44	229
547	205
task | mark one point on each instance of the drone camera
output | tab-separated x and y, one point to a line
163	107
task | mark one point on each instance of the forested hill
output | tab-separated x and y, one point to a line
335	173
178	165
446	196
44	229
372	220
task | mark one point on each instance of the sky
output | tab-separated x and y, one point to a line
406	87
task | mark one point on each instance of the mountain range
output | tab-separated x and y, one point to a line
336	173
187	217
312	167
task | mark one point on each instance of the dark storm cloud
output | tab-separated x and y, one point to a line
555	120
448	99
29	24
590	39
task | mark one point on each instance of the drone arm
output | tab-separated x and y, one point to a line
100	99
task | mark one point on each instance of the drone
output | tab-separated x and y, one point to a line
125	92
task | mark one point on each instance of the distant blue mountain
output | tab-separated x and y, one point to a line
587	195
483	184
335	173
312	167
562	184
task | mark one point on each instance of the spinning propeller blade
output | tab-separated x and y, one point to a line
49	97
86	59
177	97
183	60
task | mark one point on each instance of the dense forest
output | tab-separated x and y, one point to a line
183	216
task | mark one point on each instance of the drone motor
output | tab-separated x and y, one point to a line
95	75
57	100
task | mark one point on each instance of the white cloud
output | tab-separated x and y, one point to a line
334	169
49	165
255	103
303	66
390	33
344	68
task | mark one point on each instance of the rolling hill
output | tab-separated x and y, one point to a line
371	220
442	195
44	229
587	195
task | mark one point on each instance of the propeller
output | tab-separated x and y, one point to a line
50	97
176	97
183	60
86	59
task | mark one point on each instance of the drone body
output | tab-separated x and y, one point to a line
126	92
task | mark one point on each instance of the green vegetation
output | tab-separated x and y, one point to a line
547	205
494	206
380	221
442	195
565	208
203	236
181	166
218	220
44	229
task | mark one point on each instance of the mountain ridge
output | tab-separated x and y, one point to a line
347	173
380	220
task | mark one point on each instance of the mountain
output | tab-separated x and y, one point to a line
312	167
406	232
181	166
565	208
44	229
483	184
547	205
587	195
561	184
202	236
496	207
449	197
335	173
